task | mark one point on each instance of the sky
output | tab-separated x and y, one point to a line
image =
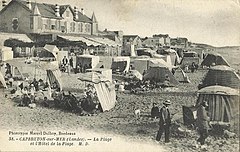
215	22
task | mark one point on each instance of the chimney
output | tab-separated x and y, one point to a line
76	13
82	11
29	5
57	9
4	3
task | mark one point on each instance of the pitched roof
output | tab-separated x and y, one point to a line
94	17
161	35
130	36
83	18
48	10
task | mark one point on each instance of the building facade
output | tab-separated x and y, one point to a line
130	44
157	41
20	16
180	42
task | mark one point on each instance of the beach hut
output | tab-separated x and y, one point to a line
221	75
189	58
122	63
158	73
223	103
144	64
53	51
6	53
105	89
214	58
87	60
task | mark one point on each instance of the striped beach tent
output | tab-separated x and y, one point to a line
105	89
53	72
2	81
223	103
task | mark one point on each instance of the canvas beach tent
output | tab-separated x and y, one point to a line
221	75
135	75
144	64
53	73
181	76
158	73
189	58
223	103
105	89
17	69
214	59
51	51
2	81
175	59
121	62
87	59
107	73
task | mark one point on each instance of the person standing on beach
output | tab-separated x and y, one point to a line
71	62
64	61
165	122
202	122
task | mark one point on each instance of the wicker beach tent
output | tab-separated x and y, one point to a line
223	103
221	75
214	58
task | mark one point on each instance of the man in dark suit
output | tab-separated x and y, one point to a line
165	121
202	122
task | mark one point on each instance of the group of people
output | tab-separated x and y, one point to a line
82	68
66	65
193	67
202	121
142	85
88	104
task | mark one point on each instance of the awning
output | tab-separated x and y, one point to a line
219	90
104	41
81	39
11	36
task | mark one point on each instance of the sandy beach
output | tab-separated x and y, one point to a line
128	133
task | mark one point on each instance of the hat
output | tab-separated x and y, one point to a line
167	102
204	103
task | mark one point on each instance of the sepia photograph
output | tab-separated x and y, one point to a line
119	75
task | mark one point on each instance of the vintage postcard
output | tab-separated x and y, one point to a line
119	75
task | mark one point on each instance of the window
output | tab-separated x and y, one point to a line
79	27
87	28
63	29
15	24
48	23
31	22
67	13
53	27
39	23
72	27
45	26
